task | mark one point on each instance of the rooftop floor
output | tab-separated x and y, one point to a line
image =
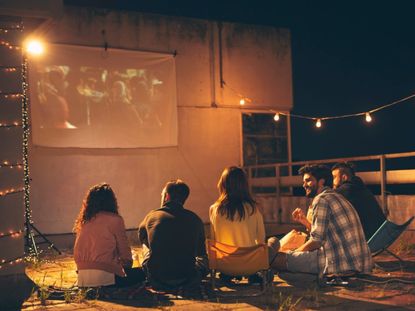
391	287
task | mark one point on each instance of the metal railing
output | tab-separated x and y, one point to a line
277	178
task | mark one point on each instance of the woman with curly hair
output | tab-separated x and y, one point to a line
101	252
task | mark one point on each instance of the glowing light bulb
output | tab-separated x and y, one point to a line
242	102
277	117
318	123
34	47
368	117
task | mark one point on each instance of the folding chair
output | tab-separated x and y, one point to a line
387	233
238	261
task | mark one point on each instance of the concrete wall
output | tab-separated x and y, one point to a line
256	62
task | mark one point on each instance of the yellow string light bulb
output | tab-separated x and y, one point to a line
277	117
318	123
242	102
368	117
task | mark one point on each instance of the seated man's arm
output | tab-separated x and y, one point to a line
309	246
299	216
142	233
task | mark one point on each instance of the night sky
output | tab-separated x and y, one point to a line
346	59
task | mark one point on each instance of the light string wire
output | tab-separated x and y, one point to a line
11	165
322	118
26	131
8	125
10	191
12	234
9	68
18	27
11	261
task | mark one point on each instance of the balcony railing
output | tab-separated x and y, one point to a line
386	169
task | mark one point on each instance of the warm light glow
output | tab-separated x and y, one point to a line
318	123
34	47
242	102
368	117
277	117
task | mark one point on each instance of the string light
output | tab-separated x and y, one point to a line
318	120
9	45
13	234
4	262
9	125
242	102
3	193
318	123
9	68
11	95
11	165
31	247
18	27
277	117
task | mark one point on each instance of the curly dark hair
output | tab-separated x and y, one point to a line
318	171
99	198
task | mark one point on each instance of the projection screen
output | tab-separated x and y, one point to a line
87	97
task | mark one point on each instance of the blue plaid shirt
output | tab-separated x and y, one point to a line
336	225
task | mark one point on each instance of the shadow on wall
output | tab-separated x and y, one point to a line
14	290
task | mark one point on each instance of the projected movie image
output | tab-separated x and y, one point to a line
82	98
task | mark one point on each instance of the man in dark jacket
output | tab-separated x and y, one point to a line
354	190
174	240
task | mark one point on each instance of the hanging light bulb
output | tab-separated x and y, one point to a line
242	101
368	117
277	117
318	123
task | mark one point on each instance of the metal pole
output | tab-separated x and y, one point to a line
383	185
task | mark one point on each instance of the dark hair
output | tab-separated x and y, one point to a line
318	171
233	193
99	198
178	191
346	168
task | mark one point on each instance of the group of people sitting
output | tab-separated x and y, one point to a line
338	224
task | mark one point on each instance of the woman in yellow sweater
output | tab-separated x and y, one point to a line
235	219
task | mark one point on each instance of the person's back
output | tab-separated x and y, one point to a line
96	242
101	252
173	240
364	202
175	237
245	232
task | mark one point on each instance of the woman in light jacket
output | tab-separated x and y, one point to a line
101	252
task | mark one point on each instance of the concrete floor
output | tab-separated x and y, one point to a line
392	288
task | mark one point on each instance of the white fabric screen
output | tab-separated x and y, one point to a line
90	98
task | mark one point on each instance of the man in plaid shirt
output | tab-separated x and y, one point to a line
337	243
